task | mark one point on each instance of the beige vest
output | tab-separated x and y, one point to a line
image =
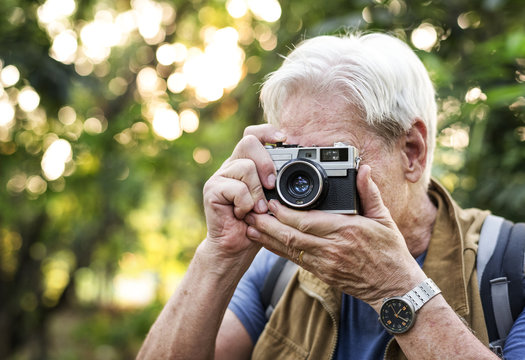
305	322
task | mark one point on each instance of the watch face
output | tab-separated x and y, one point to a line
397	315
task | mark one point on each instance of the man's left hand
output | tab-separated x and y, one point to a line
363	255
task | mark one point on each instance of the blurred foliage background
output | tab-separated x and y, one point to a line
114	113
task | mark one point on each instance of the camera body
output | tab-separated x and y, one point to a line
322	178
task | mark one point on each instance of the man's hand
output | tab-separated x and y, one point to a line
183	330
363	255
236	189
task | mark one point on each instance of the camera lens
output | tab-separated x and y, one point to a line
302	183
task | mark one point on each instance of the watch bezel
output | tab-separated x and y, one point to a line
406	302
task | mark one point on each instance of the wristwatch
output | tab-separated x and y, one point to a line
398	313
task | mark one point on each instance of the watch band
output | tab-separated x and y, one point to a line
422	293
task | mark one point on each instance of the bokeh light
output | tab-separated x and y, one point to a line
55	10
98	37
7	113
201	155
118	86
149	16
147	81
36	185
218	68
166	54
166	124
10	75
189	120
134	291
55	158
237	8
65	47
181	52
28	99
93	126
267	10
424	37
17	183
67	115
177	82
455	137
126	22
475	94
469	19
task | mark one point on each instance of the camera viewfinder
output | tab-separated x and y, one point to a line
334	154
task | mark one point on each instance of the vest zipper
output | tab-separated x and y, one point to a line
332	316
336	329
386	348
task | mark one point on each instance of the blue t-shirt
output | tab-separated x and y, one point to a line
514	348
361	336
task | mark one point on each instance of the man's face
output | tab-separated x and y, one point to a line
322	122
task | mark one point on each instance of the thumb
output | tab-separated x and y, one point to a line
371	201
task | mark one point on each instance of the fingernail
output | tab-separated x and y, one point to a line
261	206
271	180
253	233
249	219
273	206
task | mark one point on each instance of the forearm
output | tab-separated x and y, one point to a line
439	333
187	326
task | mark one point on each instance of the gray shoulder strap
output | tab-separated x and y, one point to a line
280	285
499	290
488	239
499	287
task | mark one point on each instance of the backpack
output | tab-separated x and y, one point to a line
501	278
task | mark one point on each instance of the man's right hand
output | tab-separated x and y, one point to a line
183	330
237	189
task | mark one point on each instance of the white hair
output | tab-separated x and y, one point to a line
376	73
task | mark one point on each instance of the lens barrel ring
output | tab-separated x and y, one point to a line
304	168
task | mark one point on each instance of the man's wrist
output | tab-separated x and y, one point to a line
223	263
400	286
398	313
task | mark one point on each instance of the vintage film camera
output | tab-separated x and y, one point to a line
322	178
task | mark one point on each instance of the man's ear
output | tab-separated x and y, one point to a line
415	149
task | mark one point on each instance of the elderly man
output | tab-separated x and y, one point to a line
373	93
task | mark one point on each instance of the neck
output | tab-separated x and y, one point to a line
418	222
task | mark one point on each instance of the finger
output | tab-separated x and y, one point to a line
251	148
371	200
279	237
266	133
299	256
245	170
312	222
227	191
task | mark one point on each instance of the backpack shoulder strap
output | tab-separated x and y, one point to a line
500	268
488	239
275	283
